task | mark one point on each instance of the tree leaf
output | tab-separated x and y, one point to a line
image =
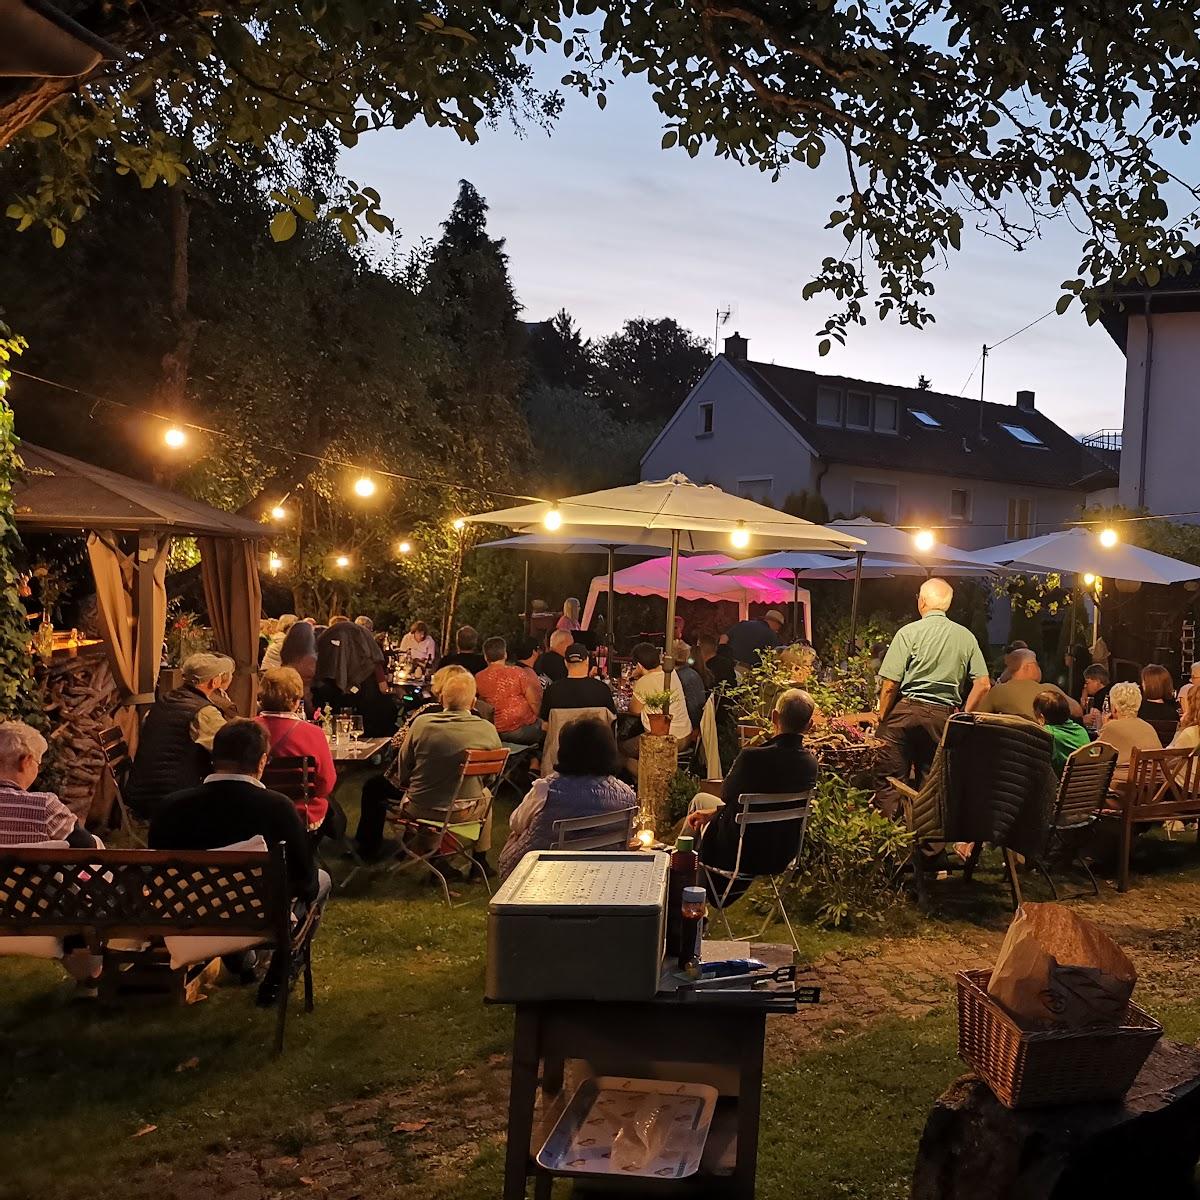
42	129
283	225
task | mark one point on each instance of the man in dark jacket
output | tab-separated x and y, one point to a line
780	765
177	735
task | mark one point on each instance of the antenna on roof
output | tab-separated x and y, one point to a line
982	380
723	315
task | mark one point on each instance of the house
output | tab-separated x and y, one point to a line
981	473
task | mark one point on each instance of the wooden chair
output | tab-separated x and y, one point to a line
1163	785
294	776
605	831
118	762
454	838
1085	782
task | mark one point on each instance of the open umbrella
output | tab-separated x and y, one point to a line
1078	551
698	517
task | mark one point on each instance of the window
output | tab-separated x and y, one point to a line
886	412
1025	436
829	406
858	410
706	419
960	505
925	419
878	500
758	489
1020	520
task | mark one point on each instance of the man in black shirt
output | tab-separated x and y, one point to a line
579	689
468	656
551	665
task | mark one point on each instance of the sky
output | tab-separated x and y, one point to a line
600	220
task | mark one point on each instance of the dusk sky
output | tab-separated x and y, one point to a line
600	220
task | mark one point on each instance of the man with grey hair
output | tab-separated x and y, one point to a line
1016	696
924	674
780	765
28	817
177	735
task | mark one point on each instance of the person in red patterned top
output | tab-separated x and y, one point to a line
29	817
514	692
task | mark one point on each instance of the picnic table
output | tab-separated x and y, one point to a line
714	1038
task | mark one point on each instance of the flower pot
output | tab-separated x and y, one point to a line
660	723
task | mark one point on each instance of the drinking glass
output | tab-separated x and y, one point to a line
341	728
356	728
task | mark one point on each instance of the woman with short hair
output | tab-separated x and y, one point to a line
1158	695
1125	729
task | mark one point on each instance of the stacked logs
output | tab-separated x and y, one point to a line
81	697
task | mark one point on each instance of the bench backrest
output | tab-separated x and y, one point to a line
1163	784
144	893
1085	782
293	776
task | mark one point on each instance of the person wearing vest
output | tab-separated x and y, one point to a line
176	737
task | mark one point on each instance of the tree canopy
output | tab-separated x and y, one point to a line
940	114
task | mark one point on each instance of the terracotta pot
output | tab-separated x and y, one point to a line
660	723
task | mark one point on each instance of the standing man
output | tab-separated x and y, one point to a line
923	675
747	638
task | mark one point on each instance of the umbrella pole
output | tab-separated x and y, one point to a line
610	633
795	606
858	561
525	611
673	587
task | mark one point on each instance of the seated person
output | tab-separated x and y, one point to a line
648	678
466	643
177	734
1094	700
719	666
1010	662
551	664
515	694
281	714
1158	695
693	686
579	689
1187	736
583	784
1193	679
232	805
1015	697
1124	729
780	765
1053	714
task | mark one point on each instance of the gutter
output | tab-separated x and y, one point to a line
1147	370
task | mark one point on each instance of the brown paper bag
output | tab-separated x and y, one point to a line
1057	969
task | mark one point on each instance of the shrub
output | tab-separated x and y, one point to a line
682	787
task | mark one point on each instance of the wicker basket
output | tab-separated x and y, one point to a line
848	761
1032	1068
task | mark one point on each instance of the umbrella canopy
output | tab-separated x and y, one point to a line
550	543
1078	551
783	563
883	540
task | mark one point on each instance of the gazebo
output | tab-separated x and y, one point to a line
129	526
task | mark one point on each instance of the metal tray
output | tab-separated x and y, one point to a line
582	1138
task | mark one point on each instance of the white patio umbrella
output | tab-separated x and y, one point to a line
698	517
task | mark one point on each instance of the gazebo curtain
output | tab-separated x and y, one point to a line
233	594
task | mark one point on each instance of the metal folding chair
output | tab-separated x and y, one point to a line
519	756
605	831
459	836
117	761
758	809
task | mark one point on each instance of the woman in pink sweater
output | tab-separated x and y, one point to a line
280	699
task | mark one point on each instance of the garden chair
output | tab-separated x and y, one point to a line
606	831
519	757
294	776
454	838
1082	789
758	809
1162	785
117	762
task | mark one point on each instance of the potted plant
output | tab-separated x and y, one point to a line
658	712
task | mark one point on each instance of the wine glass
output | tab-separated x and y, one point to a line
356	728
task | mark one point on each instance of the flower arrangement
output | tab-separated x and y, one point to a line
185	637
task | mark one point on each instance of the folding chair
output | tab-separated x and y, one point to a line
484	765
295	776
519	756
118	761
758	809
606	831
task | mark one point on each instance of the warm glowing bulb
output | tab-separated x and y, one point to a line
175	437
552	520
278	513
646	838
740	537
405	547
459	524
1108	538
274	562
1089	579
923	540
364	486
342	560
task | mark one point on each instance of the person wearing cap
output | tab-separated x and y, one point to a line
177	734
580	689
747	638
515	694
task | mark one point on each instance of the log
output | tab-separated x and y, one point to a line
1147	1145
658	760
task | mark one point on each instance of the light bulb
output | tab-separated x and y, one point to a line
364	486
278	513
1089	579
342	561
175	437
1108	538
740	537
459	524
405	547
923	539
552	520
274	562
645	838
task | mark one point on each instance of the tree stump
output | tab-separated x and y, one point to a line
658	760
1146	1145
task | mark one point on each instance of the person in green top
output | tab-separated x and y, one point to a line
924	674
1053	713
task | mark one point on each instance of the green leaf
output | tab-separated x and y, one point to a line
670	138
283	225
58	237
1064	302
1153	275
824	347
42	129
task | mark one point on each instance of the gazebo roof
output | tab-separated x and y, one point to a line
61	493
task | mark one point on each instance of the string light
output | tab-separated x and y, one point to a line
553	519
341	561
924	540
1089	579
175	437
459	524
278	513
364	486
274	562
405	547
1109	538
740	537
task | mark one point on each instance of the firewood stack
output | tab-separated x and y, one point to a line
81	698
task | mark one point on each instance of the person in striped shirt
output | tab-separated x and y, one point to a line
28	817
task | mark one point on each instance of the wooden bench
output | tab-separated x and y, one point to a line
144	896
1162	785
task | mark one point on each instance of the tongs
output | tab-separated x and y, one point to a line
746	980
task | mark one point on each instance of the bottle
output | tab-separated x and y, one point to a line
685	869
691	931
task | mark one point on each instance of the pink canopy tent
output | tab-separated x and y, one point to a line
696	582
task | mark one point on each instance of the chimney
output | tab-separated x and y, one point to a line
1025	401
737	347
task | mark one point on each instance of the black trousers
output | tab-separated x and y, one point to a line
377	794
910	734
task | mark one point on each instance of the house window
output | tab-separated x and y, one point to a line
706	419
1020	519
960	505
858	410
1025	436
757	489
829	406
925	419
877	500
886	414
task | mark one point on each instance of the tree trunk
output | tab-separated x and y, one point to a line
176	362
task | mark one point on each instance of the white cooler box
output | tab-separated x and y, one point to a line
578	925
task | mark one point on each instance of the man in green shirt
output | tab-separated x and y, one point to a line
1016	696
924	673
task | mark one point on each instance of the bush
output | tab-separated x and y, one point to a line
682	787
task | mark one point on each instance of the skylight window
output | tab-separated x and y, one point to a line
925	419
1024	436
